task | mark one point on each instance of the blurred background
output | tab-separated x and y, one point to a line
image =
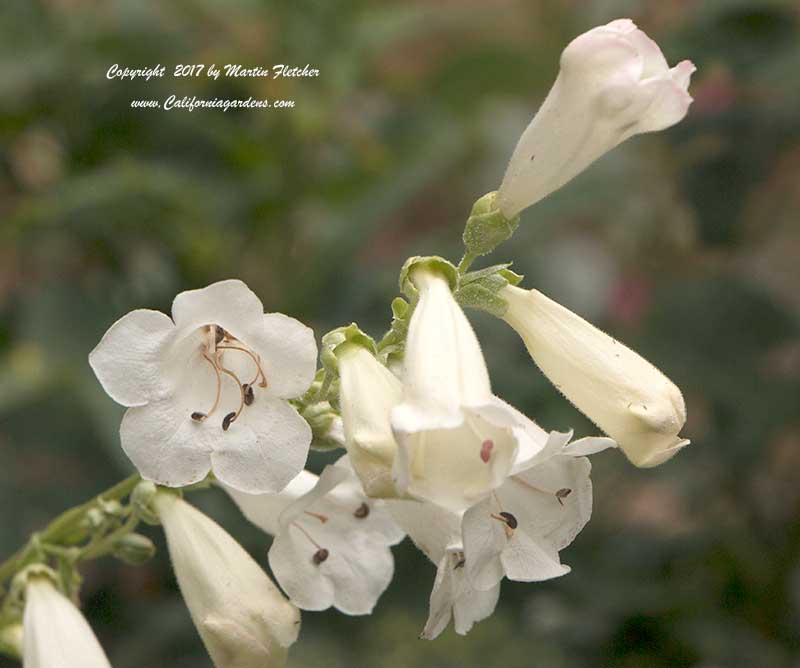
685	245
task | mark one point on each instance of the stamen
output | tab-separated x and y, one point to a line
507	518
249	395
459	559
219	334
231	417
321	518
199	416
256	360
362	511
319	556
563	493
226	421
486	450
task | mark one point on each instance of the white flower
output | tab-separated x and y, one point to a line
621	392
368	392
614	83
518	531
242	617
437	533
55	633
456	442
331	545
209	391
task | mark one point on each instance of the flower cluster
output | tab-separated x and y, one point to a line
222	392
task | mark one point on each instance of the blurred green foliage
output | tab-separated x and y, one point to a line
685	244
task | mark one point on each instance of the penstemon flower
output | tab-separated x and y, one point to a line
208	389
242	617
368	392
620	391
456	441
331	545
55	633
614	83
518	531
436	532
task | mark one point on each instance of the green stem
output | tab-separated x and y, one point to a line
466	262
65	526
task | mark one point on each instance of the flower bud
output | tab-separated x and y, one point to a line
11	640
134	549
243	619
614	83
487	227
620	391
368	393
141	500
55	633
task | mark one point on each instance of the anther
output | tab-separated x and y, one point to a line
227	420
362	511
197	416
219	334
249	395
319	556
562	494
508	519
486	450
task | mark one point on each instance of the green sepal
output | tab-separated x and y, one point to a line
141	501
487	227
432	263
480	289
320	417
331	342
134	549
11	640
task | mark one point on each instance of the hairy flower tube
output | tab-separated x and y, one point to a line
55	633
621	392
241	615
331	545
613	83
208	389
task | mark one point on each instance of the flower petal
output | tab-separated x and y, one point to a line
164	444
264	449
126	361
299	577
473	605
484	541
527	560
589	445
288	354
433	529
331	476
229	304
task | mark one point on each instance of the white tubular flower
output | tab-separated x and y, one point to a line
368	392
437	533
518	531
331	545
456	441
208	389
614	83
55	633
621	392
242	617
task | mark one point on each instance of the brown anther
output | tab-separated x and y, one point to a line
460	564
219	334
249	395
227	420
509	519
319	556
562	494
197	416
361	512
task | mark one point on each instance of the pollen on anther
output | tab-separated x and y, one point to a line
486	450
362	511
249	395
511	521
198	416
319	556
227	420
562	494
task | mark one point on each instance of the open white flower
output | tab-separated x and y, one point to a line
208	389
55	633
614	83
436	532
456	442
242	617
331	545
621	392
518	531
368	392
